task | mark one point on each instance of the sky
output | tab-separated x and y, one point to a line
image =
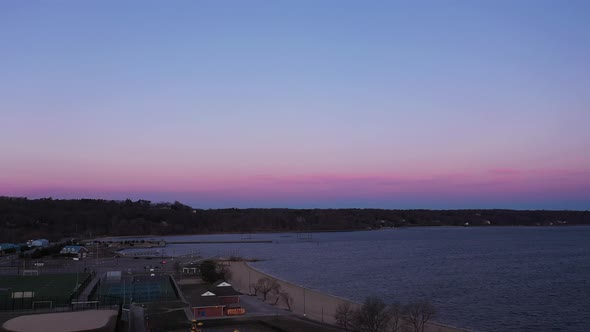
303	104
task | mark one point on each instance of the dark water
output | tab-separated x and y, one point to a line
488	279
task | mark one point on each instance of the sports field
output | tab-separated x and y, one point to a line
48	287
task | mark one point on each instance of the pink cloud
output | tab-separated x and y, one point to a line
495	184
505	171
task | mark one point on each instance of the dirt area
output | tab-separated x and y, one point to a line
95	320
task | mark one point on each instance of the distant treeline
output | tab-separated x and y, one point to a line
22	219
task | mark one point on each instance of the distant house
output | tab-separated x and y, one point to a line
217	300
38	243
79	250
7	248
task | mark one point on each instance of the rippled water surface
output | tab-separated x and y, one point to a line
489	279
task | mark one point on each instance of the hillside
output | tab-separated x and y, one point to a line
22	218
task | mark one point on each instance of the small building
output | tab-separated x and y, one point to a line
226	292
8	248
38	243
79	250
190	270
208	306
217	300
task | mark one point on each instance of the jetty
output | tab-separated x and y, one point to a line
218	242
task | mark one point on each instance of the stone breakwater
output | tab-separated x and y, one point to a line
305	302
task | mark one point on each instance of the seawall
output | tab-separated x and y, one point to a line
306	302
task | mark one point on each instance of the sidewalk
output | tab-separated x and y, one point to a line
86	292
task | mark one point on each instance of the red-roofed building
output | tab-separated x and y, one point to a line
216	301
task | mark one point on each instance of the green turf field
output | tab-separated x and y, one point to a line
56	287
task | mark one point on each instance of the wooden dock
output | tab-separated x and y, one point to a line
218	242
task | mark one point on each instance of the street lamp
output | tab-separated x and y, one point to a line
304	314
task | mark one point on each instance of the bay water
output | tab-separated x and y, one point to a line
482	278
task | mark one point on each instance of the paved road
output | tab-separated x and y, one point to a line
255	307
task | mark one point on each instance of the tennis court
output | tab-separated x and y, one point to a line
153	288
139	289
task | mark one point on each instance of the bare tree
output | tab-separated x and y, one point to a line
276	291
288	299
372	316
265	286
274	286
255	287
344	316
395	313
419	313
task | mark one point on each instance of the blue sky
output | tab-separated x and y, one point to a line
301	104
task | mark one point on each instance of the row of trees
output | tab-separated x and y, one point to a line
23	219
375	316
270	287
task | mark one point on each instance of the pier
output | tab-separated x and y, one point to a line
218	242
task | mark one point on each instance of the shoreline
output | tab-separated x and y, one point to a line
244	233
306	302
159	237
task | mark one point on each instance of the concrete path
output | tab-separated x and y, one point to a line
136	319
255	307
